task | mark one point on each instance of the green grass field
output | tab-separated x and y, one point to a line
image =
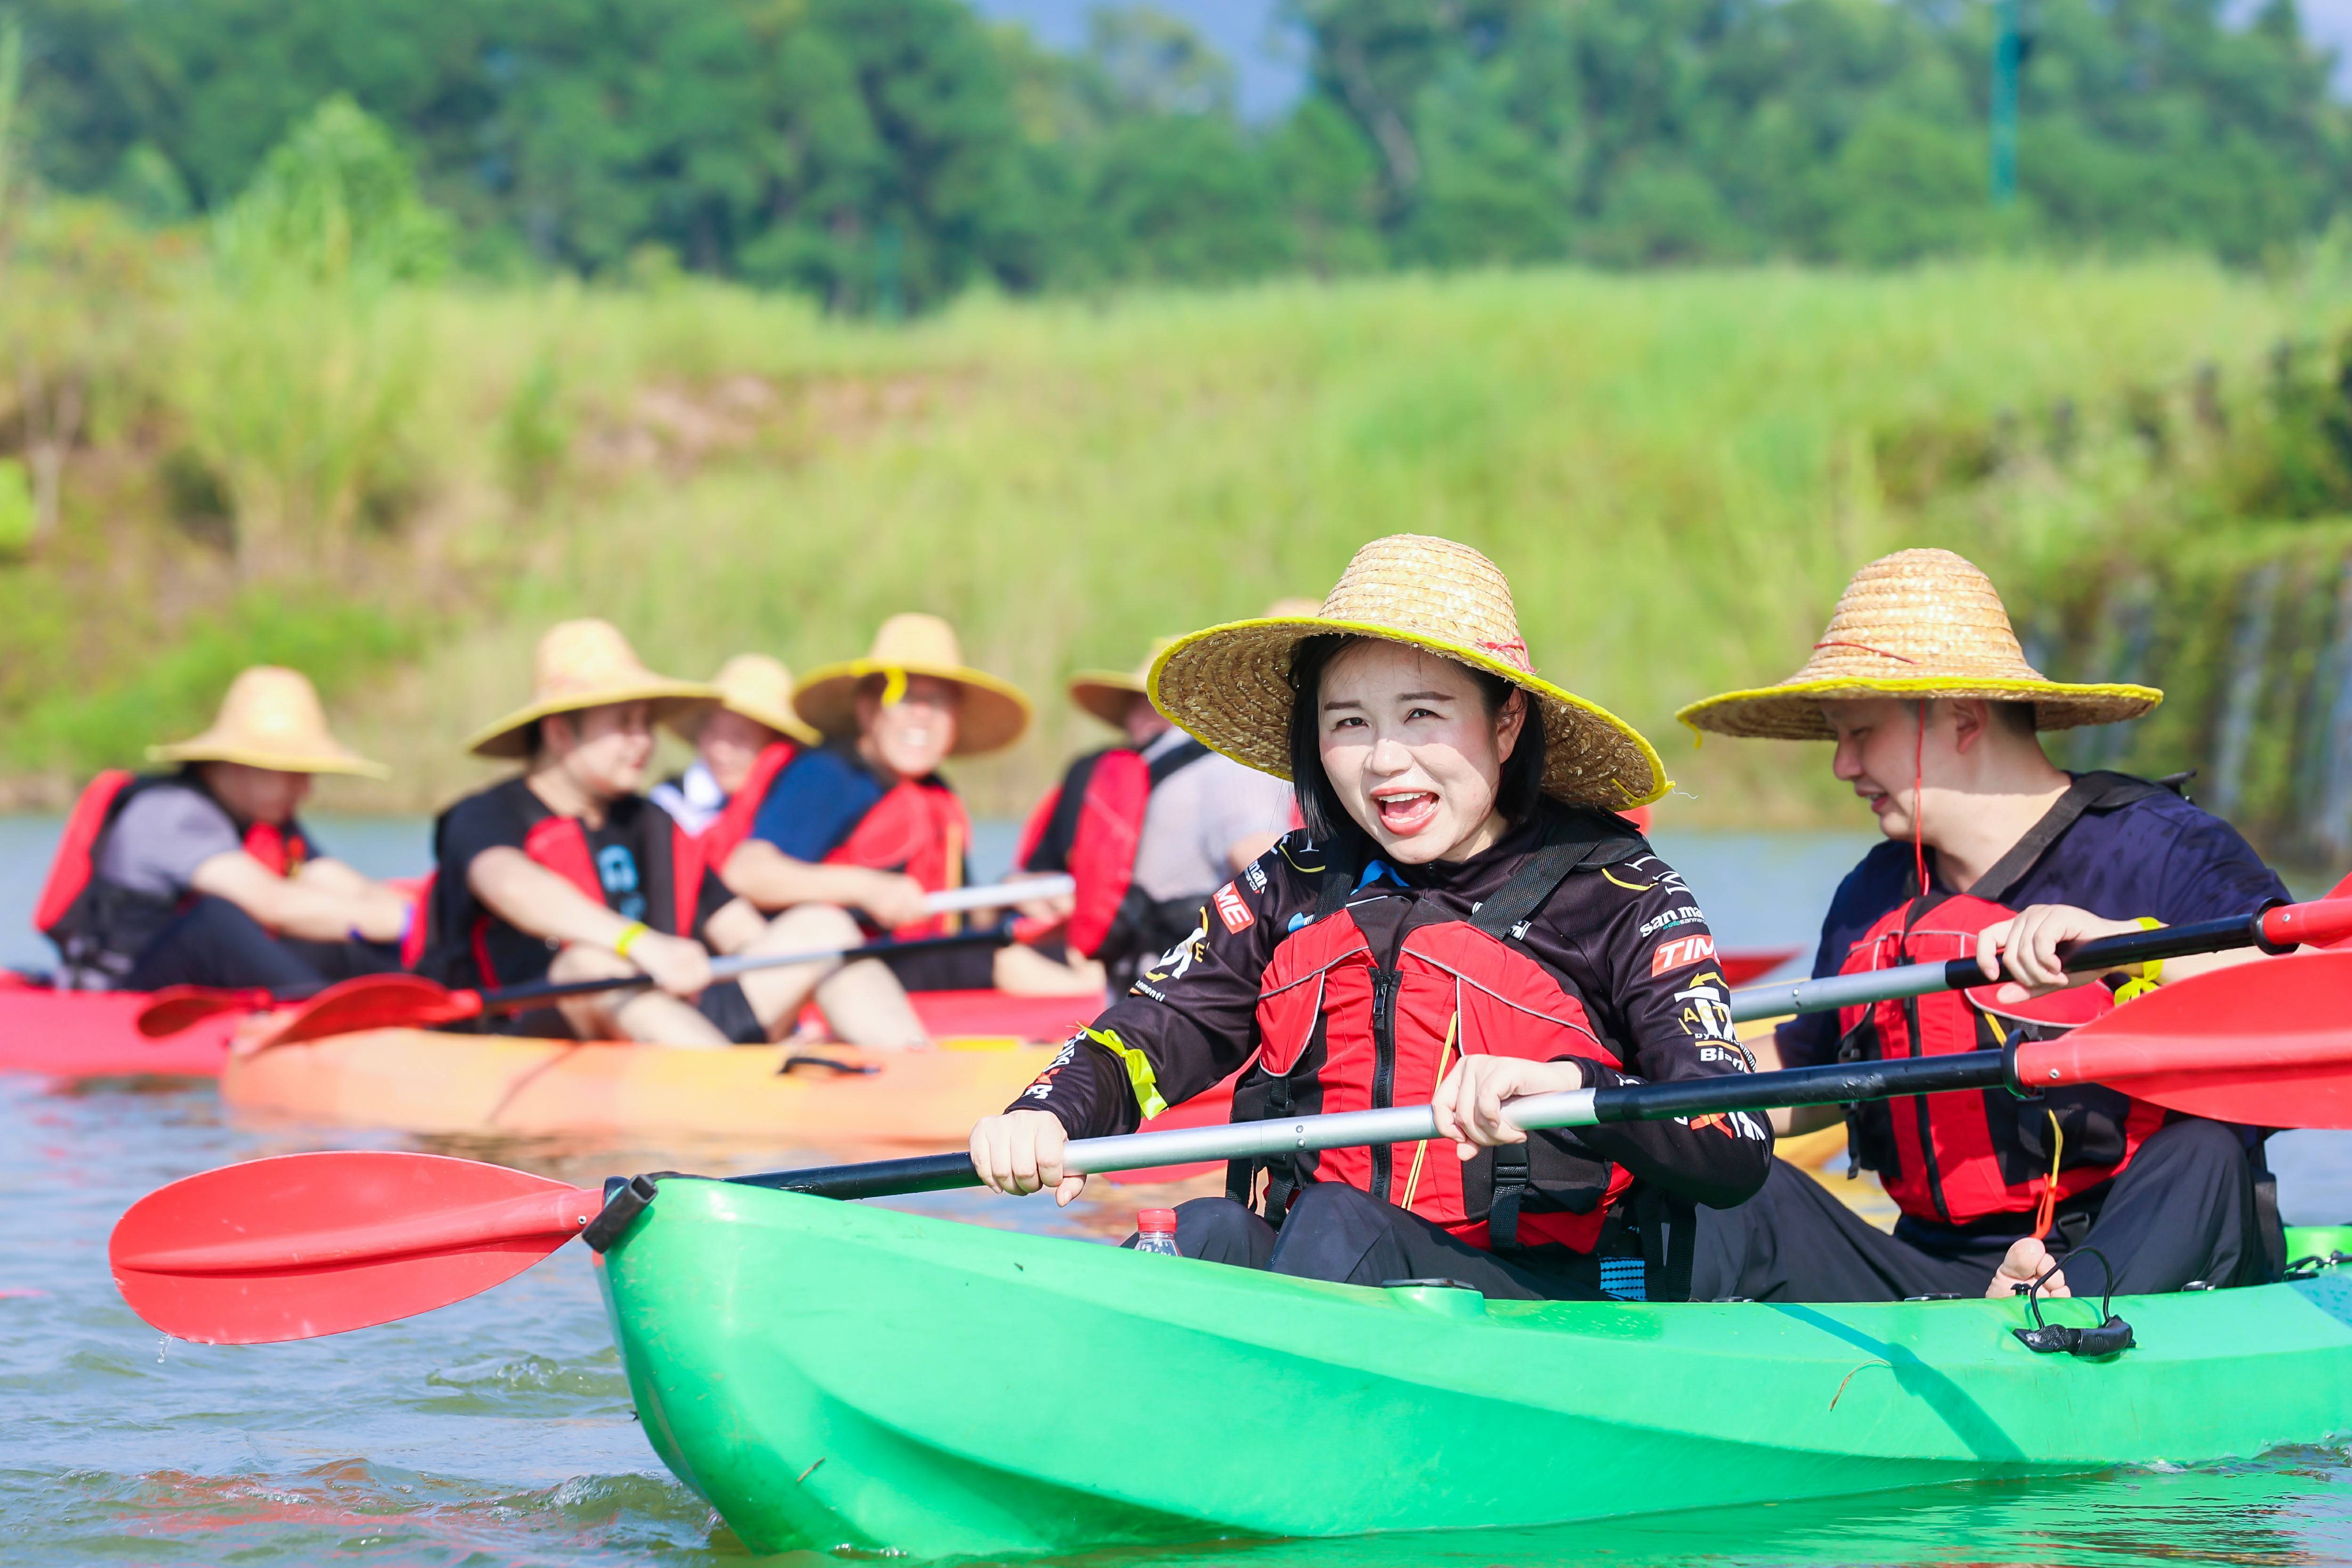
1677	471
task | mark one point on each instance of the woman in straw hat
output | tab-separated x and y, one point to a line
1147	828
865	824
564	871
1991	851
742	738
203	876
1464	919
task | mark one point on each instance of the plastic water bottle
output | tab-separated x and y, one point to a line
1155	1231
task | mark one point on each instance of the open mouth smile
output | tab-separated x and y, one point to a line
1407	812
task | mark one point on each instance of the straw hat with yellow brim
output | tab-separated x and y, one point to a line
1229	687
1106	693
581	665
994	712
271	718
758	687
1916	623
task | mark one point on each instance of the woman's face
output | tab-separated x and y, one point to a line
912	736
1412	752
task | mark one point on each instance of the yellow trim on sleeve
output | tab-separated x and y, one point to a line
1145	1082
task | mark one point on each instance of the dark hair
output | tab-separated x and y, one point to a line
2017	717
1319	806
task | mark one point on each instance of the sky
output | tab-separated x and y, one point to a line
1270	61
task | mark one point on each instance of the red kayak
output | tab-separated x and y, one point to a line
90	1034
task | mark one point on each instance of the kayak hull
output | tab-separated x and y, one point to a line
839	1375
92	1034
419	1081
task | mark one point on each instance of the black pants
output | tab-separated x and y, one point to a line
2182	1210
215	942
1340	1232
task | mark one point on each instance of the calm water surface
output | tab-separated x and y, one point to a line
499	1431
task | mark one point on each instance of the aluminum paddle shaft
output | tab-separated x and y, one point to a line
2277	930
1833	1085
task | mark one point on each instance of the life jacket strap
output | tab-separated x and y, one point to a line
2099	791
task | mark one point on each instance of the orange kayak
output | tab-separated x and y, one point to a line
417	1081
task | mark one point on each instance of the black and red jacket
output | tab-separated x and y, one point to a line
1350	984
100	927
1091	827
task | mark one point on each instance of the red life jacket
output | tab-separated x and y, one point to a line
1958	1158
918	830
669	870
1367	1005
99	926
1092	827
733	824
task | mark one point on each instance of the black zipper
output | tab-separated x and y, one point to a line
1384	989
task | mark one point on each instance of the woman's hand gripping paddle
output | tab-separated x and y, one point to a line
411	1000
316	1244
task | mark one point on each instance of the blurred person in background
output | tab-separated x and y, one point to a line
742	739
204	876
865	824
565	872
1148	828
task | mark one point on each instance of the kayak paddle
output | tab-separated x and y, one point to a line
177	1007
2281	928
400	1000
302	1245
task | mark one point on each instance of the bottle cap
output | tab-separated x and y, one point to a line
1156	1220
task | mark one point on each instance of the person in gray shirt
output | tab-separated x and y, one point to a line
204	876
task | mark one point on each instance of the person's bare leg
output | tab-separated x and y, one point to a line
645	1016
1025	972
863	1003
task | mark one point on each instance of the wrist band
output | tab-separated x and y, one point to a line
629	934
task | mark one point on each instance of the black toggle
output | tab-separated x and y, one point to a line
2112	1337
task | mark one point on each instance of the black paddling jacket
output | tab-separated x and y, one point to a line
1350	986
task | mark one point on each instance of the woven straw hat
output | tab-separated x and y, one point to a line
585	664
1919	623
271	718
757	687
1229	685
994	714
1106	693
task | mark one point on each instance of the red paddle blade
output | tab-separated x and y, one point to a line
178	1007
374	1002
2268	1043
304	1244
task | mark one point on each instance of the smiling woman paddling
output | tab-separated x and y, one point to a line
1463	920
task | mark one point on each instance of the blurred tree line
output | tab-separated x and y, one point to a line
884	153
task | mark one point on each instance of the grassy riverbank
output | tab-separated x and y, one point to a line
1678	470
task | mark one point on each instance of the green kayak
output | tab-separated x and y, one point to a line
831	1374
